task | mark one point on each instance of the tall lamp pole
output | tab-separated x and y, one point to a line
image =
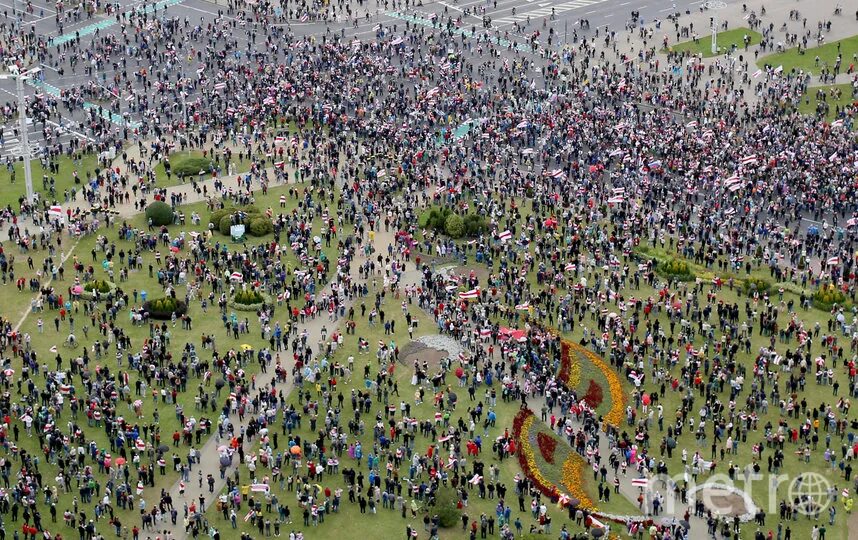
20	77
714	6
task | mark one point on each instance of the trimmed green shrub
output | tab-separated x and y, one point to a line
160	213
454	226
217	218
446	507
185	166
827	295
248	300
676	269
163	308
260	226
437	219
103	287
752	285
248	297
99	285
475	225
217	215
225	224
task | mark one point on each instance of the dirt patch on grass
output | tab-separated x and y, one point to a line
420	352
724	503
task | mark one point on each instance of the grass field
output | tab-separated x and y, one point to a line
726	41
10	192
49	336
389	523
810	102
814	59
816	394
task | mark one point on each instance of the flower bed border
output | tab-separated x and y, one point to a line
520	426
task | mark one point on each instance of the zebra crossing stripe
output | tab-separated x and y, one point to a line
541	12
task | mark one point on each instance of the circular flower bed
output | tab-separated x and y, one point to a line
248	300
163	308
102	286
724	500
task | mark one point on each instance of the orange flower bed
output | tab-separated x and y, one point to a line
573	480
585	372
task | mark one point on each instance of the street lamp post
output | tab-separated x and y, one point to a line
714	6
20	77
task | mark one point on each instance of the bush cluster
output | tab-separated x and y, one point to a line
827	295
753	284
103	287
445	221
163	308
256	223
248	297
676	269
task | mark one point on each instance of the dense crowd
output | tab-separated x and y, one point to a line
612	150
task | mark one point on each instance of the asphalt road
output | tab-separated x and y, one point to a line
508	17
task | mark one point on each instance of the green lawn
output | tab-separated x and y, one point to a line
726	40
10	192
808	62
203	324
810	102
388	523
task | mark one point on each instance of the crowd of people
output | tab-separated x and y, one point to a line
584	163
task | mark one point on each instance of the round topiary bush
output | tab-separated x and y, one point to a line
454	226
260	226
675	268
160	213
753	284
827	295
224	224
217	215
247	214
436	219
99	285
475	225
248	297
163	308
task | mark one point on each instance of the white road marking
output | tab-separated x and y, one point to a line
558	9
454	8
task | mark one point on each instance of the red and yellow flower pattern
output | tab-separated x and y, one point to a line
585	372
